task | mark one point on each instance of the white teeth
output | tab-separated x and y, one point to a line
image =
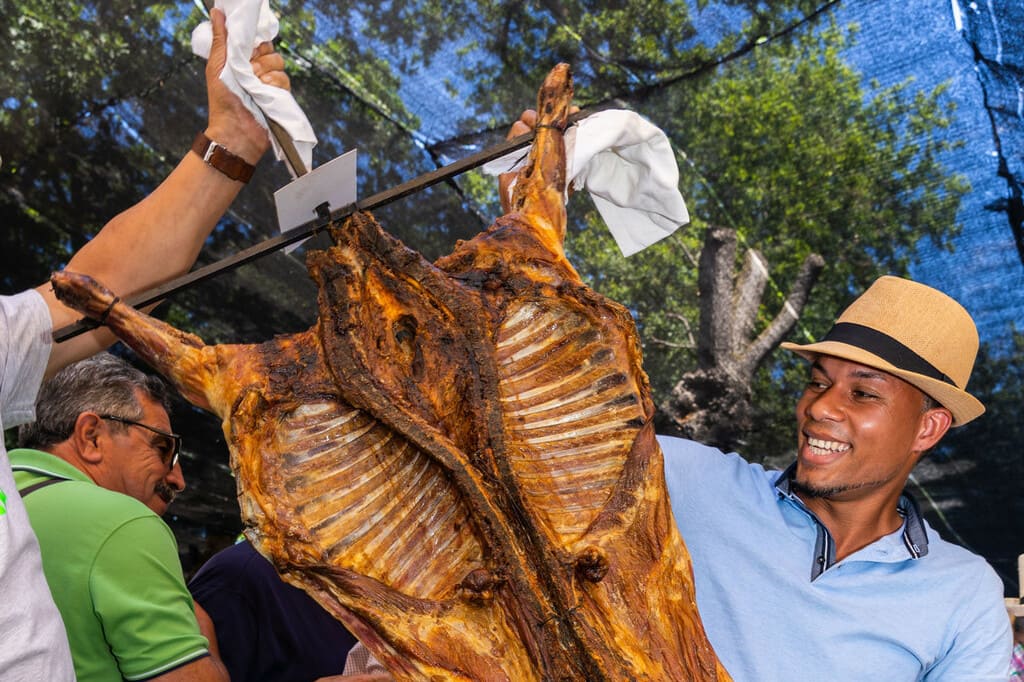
828	445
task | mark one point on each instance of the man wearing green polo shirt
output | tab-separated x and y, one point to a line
99	467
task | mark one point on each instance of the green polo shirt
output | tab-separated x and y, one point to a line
112	566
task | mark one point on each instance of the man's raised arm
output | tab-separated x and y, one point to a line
160	237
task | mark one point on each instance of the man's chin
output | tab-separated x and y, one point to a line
806	488
159	505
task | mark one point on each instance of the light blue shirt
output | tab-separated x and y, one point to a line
910	606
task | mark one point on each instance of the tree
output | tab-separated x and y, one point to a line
614	48
64	139
712	402
786	148
780	144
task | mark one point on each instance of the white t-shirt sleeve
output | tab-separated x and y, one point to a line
34	646
25	343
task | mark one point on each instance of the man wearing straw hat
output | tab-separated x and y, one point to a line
827	570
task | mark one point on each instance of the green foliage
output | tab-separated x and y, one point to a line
614	47
788	148
658	285
63	145
776	136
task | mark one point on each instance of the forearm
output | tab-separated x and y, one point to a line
150	243
160	237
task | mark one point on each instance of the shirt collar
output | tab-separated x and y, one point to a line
915	537
45	464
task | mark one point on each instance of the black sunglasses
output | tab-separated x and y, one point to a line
169	447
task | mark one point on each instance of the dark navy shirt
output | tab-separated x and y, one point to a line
267	630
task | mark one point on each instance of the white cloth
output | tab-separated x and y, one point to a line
627	165
249	23
34	645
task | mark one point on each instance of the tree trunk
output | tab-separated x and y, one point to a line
712	403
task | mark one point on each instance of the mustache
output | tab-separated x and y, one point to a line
166	492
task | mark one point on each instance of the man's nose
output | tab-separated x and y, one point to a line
176	477
825	405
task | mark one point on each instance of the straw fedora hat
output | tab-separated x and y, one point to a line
911	331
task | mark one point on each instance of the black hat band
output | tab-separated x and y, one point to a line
885	347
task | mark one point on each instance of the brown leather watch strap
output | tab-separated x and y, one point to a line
217	156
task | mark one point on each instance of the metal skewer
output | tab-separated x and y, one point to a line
313	227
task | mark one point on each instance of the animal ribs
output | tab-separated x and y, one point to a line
458	459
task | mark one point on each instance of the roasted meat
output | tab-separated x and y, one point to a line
458	460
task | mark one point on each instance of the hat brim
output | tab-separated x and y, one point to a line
961	404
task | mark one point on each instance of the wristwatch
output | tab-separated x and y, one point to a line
217	155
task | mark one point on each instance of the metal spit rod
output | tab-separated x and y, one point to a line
312	227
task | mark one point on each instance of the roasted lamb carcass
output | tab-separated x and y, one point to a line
458	460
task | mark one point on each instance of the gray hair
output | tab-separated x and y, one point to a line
104	384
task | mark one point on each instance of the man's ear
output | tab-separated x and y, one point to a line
87	437
932	427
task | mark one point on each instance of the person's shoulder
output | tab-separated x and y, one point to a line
13	303
703	474
109	502
683	446
25	345
23	316
958	560
85	498
958	570
691	455
682	449
235	565
104	511
966	594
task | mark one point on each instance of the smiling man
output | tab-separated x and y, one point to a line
97	469
827	570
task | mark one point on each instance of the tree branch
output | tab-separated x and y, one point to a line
747	297
787	318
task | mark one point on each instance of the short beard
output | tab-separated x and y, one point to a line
810	491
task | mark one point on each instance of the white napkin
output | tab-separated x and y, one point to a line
628	166
250	22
